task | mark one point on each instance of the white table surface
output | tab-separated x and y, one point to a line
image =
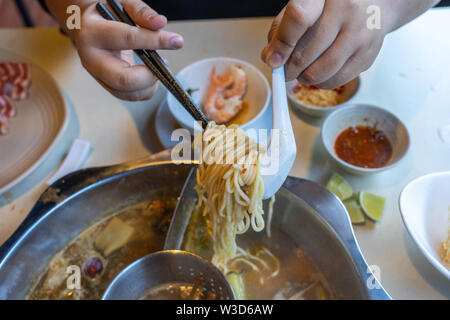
411	78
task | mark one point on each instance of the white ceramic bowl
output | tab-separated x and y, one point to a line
197	75
365	115
349	92
425	205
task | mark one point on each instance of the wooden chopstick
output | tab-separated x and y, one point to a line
154	62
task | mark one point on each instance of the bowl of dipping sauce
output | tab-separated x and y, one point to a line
318	102
365	139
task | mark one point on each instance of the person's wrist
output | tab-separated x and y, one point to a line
403	11
389	15
58	8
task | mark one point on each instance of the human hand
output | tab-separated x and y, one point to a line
105	47
326	43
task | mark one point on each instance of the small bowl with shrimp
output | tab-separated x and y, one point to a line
228	90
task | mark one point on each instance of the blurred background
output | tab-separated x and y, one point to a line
23	13
28	13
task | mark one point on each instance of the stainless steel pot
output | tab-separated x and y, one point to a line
73	204
304	210
317	221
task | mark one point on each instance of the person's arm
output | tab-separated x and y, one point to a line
58	9
408	10
105	47
331	47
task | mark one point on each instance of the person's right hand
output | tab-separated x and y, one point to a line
105	48
327	43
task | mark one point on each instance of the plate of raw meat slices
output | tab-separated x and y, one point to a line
33	115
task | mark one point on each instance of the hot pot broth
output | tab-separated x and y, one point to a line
148	221
298	276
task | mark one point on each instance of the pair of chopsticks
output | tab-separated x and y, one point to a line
154	62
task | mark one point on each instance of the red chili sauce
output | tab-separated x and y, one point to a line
363	146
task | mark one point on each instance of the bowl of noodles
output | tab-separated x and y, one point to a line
318	102
425	209
229	91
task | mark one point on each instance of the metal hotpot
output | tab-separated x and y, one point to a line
312	217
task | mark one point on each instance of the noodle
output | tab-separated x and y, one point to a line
230	188
269	217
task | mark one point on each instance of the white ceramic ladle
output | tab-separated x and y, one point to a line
279	158
282	149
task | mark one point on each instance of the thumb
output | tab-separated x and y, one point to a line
298	17
273	29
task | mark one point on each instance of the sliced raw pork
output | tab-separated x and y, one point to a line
15	82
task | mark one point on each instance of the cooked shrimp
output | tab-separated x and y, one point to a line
224	100
239	87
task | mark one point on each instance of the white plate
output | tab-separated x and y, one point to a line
425	205
165	124
40	121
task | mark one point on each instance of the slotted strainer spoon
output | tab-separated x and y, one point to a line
168	267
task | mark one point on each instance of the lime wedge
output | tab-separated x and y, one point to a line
354	211
340	187
372	205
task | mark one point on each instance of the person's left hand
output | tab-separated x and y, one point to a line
335	48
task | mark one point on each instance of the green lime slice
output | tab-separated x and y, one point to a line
354	211
340	187
372	205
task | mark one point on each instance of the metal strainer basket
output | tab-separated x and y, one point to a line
168	267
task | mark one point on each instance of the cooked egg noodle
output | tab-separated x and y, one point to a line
230	192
